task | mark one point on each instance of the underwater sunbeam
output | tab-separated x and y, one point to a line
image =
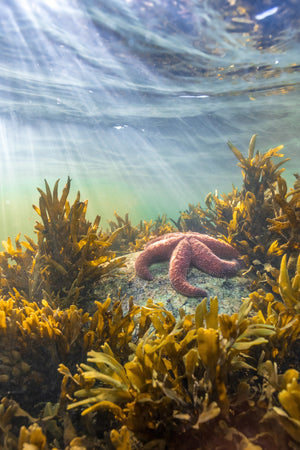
129	190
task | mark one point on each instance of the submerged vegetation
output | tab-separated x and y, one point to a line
262	219
133	238
69	255
76	373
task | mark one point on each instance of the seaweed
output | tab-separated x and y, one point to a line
261	219
34	340
78	373
165	381
286	222
133	238
69	257
284	315
175	381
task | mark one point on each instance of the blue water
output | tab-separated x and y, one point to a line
135	100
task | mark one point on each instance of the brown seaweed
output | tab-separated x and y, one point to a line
261	219
70	254
133	238
135	377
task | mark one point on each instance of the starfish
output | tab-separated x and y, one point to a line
184	250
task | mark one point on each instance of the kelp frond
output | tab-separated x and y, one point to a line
165	376
261	219
259	172
70	255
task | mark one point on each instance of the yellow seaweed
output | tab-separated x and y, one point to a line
198	378
70	254
121	439
289	291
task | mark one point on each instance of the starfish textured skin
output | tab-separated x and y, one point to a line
184	250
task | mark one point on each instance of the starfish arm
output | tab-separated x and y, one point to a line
205	259
164	237
185	249
219	248
156	252
179	264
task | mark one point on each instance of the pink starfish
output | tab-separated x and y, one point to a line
184	250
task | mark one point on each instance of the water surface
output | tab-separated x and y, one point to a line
135	100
